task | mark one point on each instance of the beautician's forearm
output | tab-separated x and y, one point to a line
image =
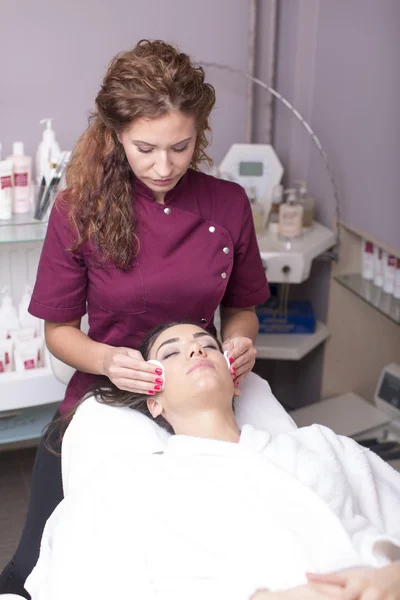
237	322
68	343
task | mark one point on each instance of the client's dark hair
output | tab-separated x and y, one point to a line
106	392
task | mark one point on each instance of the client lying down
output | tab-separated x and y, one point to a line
218	513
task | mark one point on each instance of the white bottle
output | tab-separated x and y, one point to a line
48	154
396	291
291	217
26	320
6	189
22	166
389	273
367	260
378	266
8	314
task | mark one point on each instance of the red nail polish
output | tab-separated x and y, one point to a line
231	360
151	392
158	380
158	371
237	383
233	369
157	388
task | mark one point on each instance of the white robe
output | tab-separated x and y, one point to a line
217	520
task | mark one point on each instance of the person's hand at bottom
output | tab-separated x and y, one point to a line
310	591
365	584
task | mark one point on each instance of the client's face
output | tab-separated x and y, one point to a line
195	371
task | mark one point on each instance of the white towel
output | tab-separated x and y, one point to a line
211	519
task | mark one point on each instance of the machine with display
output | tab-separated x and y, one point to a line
374	425
253	166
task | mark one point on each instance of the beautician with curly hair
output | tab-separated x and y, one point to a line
139	237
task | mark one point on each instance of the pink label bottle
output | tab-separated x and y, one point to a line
22	179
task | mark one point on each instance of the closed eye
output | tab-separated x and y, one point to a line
174	352
181	149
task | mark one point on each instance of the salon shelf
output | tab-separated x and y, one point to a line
22	228
291	346
371	294
291	261
25	390
26	424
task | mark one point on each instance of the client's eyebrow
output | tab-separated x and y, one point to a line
176	339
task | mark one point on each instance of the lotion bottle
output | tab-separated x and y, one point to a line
22	166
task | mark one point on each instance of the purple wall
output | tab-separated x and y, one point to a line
339	62
54	56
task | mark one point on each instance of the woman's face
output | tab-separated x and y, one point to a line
195	371
160	150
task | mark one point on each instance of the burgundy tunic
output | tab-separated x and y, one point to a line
197	250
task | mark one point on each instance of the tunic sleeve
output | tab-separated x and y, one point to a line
247	284
61	284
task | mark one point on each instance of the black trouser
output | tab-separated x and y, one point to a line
46	494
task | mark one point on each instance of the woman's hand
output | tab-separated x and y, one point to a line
128	370
242	355
311	591
365	584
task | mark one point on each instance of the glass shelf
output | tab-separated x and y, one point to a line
22	228
372	295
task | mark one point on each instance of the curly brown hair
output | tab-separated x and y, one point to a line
150	80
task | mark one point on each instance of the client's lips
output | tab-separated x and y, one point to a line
201	363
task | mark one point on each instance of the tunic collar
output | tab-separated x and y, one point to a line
143	192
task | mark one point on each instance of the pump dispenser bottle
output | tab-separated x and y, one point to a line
308	202
290	217
48	154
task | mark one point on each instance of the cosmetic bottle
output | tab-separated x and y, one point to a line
396	291
6	189
256	209
47	155
8	314
26	320
367	260
22	167
290	217
308	202
277	199
389	273
378	266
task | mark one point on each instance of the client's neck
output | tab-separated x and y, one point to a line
209	423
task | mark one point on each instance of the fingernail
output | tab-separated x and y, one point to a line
158	380
233	369
237	383
158	371
231	360
157	388
151	392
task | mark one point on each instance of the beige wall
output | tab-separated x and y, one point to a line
362	340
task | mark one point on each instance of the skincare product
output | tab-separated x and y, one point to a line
277	199
396	291
27	355
6	356
22	167
47	155
257	210
6	189
290	217
378	266
25	318
389	273
308	203
8	313
367	260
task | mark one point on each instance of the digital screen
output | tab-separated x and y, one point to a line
390	390
251	169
